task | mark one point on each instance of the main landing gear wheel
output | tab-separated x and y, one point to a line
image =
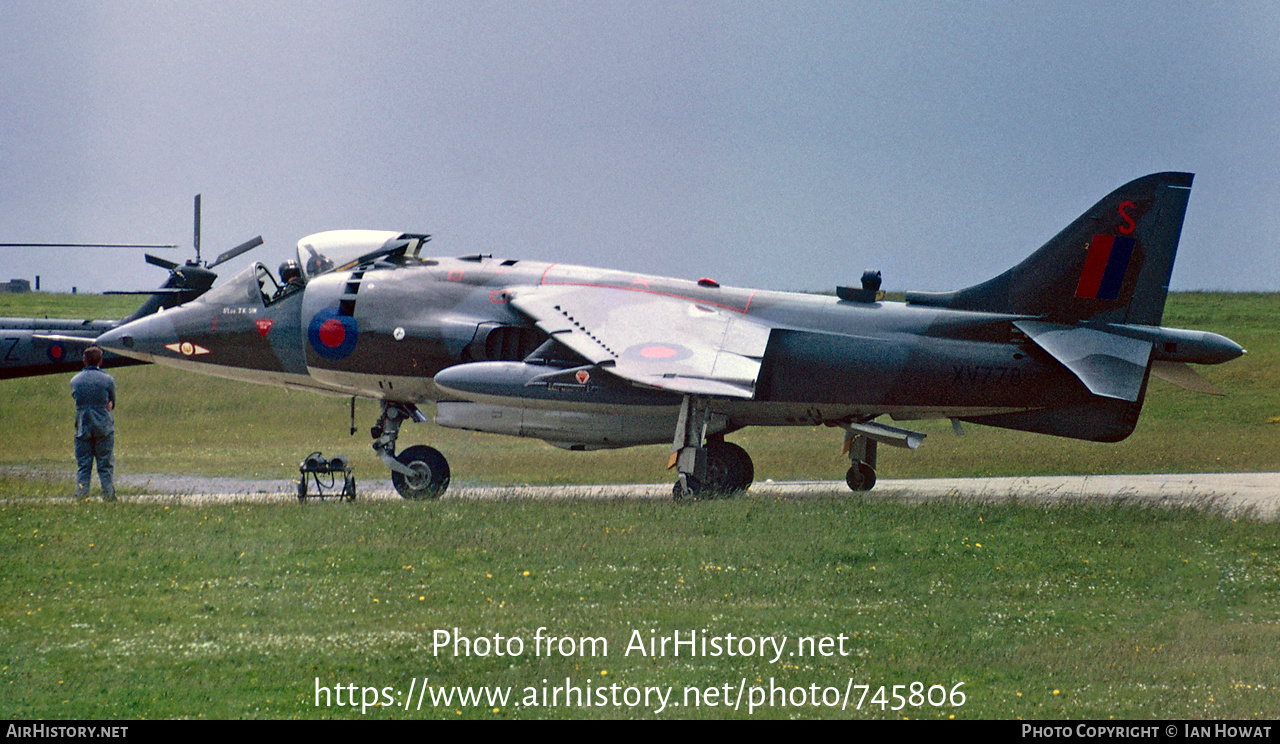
861	477
729	471
430	473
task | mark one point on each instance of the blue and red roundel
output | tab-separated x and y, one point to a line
333	336
56	352
657	351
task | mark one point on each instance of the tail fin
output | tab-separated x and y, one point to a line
1112	264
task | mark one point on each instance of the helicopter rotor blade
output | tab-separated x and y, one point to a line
85	245
196	237
162	263
159	291
244	247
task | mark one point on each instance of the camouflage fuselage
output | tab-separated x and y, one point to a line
385	332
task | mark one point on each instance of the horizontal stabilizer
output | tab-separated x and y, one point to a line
1182	375
1110	366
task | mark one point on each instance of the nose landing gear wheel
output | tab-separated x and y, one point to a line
430	473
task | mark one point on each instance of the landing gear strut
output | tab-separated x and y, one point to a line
862	458
707	466
419	472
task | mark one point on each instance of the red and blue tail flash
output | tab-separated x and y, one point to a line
1105	267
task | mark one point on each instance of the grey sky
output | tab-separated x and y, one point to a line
780	145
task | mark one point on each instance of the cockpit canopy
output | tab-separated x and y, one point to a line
317	254
243	289
337	249
253	287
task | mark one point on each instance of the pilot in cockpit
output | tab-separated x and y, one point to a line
317	263
291	280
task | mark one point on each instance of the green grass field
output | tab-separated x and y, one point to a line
243	611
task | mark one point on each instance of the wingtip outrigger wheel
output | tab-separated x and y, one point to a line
860	439
861	477
861	450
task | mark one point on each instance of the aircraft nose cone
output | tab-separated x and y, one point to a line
120	341
138	339
115	340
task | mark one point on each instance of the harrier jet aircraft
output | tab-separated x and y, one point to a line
1062	344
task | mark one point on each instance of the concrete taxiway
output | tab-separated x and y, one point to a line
1246	494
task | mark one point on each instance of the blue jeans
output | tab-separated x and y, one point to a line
95	448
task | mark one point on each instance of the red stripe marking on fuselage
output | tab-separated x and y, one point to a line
695	300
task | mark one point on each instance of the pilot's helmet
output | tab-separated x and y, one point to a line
289	271
318	264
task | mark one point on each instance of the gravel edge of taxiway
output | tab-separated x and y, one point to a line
1255	495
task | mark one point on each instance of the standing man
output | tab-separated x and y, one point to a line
95	394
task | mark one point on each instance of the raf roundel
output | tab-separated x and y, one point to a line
657	351
333	336
56	352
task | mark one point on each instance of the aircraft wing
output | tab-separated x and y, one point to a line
659	340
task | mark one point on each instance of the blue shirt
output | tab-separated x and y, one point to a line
94	390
